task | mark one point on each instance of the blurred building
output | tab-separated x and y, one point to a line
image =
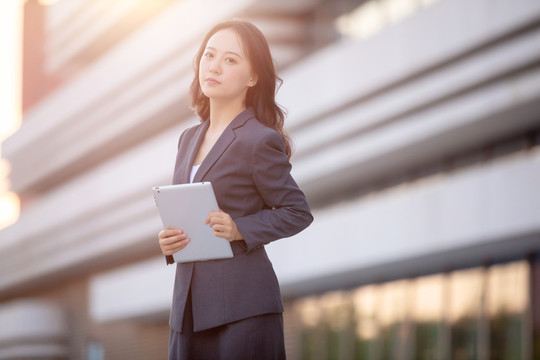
416	125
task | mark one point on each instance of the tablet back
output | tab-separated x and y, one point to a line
186	207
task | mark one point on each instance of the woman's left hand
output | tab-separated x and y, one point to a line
223	226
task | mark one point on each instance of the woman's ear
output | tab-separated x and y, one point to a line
252	80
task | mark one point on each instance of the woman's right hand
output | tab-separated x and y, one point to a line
172	240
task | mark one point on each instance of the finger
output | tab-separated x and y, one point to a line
180	244
220	234
216	214
171	249
221	228
216	220
173	239
169	232
227	235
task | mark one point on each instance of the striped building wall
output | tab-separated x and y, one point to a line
416	130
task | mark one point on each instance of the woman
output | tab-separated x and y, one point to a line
232	308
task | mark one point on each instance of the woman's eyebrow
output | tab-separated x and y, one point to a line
226	52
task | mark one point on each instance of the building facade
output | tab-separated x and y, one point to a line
417	142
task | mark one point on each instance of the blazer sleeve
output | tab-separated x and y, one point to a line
287	212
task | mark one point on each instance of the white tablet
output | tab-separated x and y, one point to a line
186	207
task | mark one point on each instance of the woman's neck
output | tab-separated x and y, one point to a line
223	113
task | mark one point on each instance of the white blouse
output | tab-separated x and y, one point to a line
193	172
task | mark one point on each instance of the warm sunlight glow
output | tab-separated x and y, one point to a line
508	288
466	288
9	208
428	302
47	2
338	309
10	100
310	312
393	302
372	16
365	300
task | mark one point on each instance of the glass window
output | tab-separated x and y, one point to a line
507	303
312	337
428	315
94	350
465	307
392	313
367	327
339	324
479	313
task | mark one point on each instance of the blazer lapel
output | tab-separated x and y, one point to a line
224	141
226	138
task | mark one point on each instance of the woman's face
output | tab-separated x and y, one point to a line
224	70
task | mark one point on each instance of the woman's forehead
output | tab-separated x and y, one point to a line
226	40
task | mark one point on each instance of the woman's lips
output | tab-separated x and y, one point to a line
212	81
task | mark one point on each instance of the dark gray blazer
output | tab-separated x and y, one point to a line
250	174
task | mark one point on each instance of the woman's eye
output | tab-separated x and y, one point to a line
230	60
208	55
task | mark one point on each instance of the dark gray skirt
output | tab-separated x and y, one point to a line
258	337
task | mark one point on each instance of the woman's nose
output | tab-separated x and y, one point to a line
214	67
